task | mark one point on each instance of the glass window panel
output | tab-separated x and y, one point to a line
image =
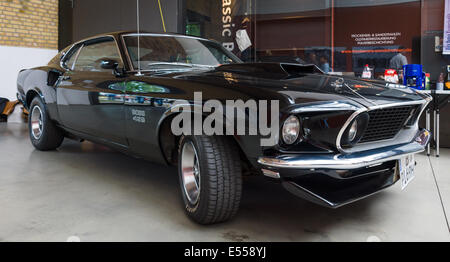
170	51
336	35
92	54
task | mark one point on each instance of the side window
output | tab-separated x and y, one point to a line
70	57
69	63
91	55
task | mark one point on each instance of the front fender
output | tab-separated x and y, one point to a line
249	144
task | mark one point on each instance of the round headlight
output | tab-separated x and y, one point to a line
291	130
353	131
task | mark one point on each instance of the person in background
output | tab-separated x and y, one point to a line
312	59
399	60
246	55
324	65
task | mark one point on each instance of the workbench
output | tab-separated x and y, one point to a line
440	100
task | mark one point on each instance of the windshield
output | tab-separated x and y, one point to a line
168	52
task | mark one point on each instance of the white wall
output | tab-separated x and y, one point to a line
12	60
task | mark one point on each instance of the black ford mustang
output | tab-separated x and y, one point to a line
340	139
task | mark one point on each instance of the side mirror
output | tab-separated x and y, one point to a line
109	64
119	72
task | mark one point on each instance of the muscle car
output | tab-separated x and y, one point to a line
340	139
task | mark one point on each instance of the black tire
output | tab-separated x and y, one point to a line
50	136
220	179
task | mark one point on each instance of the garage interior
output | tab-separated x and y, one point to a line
87	192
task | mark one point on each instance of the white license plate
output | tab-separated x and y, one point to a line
406	166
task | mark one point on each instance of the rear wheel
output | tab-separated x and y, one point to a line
210	178
44	134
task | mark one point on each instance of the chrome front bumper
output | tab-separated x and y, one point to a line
334	180
348	161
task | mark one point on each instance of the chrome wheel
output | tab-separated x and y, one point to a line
36	122
190	172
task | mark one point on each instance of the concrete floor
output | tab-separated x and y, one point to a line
92	193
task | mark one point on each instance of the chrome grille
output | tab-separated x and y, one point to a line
385	123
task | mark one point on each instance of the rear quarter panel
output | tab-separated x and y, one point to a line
34	81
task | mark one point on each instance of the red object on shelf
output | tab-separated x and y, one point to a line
367	72
391	75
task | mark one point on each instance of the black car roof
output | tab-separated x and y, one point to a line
120	33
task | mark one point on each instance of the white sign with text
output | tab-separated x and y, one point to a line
446	45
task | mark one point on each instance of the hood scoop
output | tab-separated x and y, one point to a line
270	70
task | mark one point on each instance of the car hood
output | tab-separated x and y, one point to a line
299	84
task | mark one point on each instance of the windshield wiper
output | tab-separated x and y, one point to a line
179	64
168	63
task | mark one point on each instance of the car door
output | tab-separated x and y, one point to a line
91	98
146	101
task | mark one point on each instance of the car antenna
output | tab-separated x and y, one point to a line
139	73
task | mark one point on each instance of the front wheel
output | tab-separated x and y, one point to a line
210	175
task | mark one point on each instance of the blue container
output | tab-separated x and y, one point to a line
413	76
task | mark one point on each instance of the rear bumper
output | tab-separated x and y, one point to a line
334	180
